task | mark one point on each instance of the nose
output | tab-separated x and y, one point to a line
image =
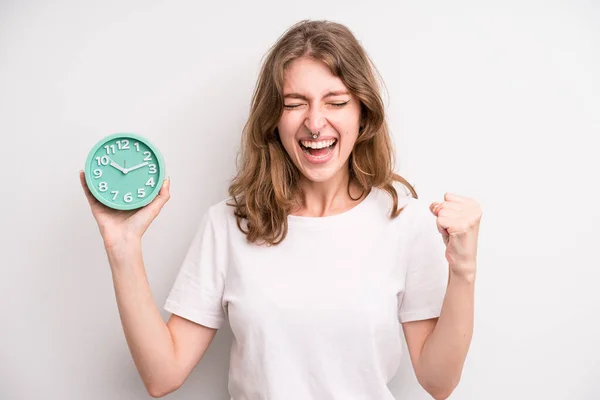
315	121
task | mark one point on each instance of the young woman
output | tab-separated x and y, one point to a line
315	259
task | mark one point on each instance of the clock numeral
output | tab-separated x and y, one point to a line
127	198
141	193
150	182
103	186
116	193
148	156
137	146
152	168
97	173
123	144
110	148
102	160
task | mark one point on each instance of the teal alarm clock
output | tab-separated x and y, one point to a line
124	171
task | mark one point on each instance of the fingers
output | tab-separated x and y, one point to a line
451	202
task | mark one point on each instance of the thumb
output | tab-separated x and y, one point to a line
151	211
163	196
434	207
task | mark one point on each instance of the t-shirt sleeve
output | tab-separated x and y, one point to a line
197	292
427	269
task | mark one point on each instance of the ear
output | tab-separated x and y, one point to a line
363	117
274	136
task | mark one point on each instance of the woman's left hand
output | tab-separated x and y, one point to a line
458	221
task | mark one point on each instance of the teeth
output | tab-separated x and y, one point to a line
317	145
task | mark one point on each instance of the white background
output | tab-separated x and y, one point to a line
495	100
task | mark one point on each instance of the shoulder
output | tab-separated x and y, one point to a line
220	212
414	213
221	216
220	208
416	207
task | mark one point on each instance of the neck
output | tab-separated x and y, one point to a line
320	199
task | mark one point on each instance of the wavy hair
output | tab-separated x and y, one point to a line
265	189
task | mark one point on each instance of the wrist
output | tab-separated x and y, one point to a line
465	274
122	242
124	252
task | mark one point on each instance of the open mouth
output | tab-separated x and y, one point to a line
318	148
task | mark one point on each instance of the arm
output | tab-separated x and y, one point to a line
164	354
438	347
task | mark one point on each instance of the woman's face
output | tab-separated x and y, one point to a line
315	100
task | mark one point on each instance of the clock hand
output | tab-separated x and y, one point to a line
137	166
117	166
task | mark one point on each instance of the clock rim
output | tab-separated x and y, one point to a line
125	135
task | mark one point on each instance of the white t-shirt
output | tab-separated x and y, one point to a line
317	316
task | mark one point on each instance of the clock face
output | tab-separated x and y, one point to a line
124	171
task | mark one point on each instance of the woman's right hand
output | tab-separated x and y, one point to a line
120	227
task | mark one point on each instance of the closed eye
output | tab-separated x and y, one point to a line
337	105
340	104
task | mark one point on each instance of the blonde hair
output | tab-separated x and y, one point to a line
265	189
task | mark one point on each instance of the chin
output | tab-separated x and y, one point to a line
322	176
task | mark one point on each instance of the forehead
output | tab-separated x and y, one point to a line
309	76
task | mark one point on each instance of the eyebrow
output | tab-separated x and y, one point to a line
303	97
